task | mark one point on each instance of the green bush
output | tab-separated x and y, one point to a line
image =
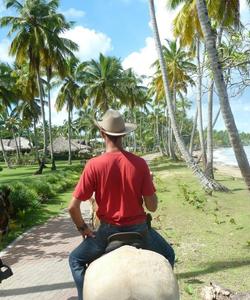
43	189
23	197
53	179
1	169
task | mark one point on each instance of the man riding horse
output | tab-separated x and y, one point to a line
122	184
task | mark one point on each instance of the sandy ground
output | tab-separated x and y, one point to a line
227	170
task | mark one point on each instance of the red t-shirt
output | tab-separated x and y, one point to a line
119	180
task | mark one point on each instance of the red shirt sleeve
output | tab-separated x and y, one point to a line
86	184
148	188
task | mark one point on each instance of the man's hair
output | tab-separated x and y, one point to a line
113	138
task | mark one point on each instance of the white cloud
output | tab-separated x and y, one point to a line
90	42
4	51
73	13
141	60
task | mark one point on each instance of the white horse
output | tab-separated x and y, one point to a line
128	273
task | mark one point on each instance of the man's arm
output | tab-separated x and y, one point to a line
151	202
75	213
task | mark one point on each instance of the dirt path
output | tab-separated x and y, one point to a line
39	261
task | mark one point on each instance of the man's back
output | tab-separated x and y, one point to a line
119	180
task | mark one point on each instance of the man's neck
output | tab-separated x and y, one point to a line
110	147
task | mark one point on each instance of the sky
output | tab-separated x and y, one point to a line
122	28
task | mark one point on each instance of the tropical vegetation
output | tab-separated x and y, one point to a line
206	63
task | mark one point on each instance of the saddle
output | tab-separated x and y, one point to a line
120	239
5	271
135	239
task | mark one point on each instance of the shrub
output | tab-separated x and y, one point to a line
23	197
43	189
52	179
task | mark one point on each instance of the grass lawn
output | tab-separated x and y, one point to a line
211	242
210	234
51	208
25	173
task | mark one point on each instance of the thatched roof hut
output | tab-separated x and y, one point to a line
10	145
61	145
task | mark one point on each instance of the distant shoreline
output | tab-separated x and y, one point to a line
222	168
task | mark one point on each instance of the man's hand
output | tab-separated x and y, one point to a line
75	213
88	233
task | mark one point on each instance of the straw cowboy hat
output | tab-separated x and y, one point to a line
113	124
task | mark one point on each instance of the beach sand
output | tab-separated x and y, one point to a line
227	170
222	168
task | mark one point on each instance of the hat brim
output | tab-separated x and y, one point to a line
129	127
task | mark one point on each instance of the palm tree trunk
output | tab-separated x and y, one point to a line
134	135
35	142
39	83
167	129
191	144
69	137
222	91
199	105
53	165
17	148
206	182
209	166
4	154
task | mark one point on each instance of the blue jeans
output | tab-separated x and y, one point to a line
92	248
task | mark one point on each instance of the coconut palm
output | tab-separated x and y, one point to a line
2	127
104	80
7	98
187	25
179	68
29	112
134	95
222	91
187	28
33	36
205	181
54	60
71	94
84	123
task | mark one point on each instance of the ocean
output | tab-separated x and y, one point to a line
227	157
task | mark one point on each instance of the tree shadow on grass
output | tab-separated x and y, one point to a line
215	267
237	189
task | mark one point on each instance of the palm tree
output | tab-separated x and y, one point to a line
7	98
104	82
54	60
226	111
71	94
179	68
187	28
34	35
2	127
209	166
134	95
30	112
205	181
84	123
12	125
